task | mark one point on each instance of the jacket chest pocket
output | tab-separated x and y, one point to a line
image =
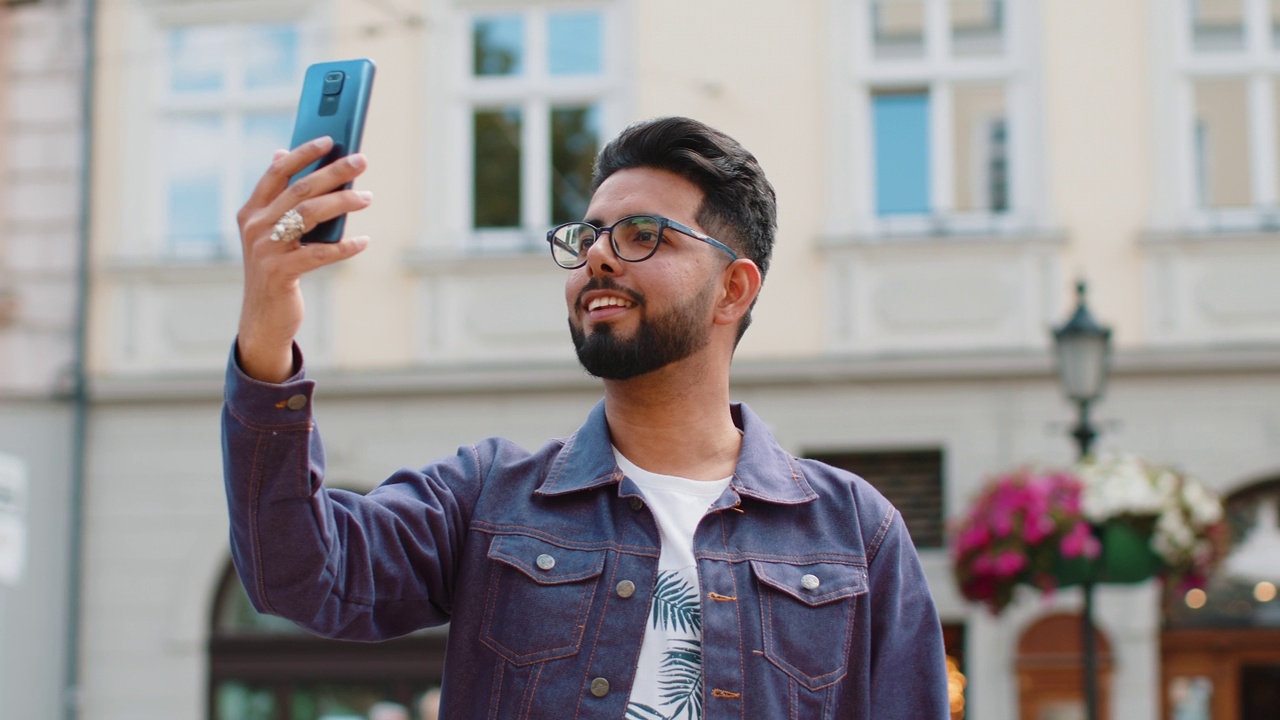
807	615
538	598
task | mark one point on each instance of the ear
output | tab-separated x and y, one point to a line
739	286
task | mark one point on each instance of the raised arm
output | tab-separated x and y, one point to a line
273	307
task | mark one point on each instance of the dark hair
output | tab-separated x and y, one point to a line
739	207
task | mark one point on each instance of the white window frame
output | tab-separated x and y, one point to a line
851	174
145	227
535	92
1258	65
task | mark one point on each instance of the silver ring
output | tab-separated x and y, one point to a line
289	227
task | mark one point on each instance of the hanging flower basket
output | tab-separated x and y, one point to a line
1126	557
1018	532
1112	519
1160	521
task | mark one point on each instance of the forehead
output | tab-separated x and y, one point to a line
645	190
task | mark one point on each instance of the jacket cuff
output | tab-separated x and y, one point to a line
264	403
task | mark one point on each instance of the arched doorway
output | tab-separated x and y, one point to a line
265	668
1050	672
1220	647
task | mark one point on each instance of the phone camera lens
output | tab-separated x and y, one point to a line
333	82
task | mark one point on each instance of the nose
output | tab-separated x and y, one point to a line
601	259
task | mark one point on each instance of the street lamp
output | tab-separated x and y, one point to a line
1083	349
1084	357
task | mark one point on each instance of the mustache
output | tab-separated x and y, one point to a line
608	283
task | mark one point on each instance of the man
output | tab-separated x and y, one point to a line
668	560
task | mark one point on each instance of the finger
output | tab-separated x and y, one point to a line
278	154
285	166
322	183
310	257
323	208
319	183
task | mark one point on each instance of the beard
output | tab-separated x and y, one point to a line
657	342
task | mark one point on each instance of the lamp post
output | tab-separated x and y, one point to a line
1083	349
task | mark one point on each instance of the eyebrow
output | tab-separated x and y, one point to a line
596	221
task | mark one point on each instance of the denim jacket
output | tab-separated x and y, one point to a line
814	604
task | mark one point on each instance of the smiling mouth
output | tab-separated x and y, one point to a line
609	301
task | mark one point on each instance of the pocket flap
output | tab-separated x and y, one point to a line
812	584
545	563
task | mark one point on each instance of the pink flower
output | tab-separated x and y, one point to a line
1080	542
1009	562
973	537
1037	528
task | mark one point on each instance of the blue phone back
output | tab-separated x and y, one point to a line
342	120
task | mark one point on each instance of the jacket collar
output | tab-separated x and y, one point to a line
764	472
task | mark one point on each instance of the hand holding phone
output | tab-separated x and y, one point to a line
335	100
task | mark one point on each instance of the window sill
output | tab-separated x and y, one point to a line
1034	237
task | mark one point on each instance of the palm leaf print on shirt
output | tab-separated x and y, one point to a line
680	679
675	604
640	711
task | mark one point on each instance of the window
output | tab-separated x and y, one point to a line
942	118
226	101
265	668
910	479
1229	60
536	86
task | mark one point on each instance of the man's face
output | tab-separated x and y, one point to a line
627	319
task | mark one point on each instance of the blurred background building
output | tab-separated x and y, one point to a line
946	169
43	199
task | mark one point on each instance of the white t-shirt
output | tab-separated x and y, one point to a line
669	677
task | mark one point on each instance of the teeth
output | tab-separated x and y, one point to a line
609	301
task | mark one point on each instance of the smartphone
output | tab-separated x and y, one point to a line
335	100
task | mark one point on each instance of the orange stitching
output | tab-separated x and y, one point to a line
725	694
721	598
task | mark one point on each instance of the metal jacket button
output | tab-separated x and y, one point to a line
599	687
297	402
810	582
546	562
636	503
626	589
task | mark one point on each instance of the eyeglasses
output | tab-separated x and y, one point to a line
634	238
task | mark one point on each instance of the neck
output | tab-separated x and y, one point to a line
676	420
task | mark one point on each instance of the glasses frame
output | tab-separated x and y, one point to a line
663	224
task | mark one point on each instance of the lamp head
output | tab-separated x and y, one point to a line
1084	352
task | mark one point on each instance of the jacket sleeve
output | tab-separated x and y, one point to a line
340	564
908	661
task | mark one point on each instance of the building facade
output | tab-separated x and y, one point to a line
41	210
946	171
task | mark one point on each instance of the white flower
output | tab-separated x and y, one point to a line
1118	486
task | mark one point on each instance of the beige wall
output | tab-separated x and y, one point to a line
1098	115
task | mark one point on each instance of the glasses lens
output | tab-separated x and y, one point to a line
635	238
568	243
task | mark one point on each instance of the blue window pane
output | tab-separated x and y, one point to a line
194	208
195	153
498	45
574	43
264	133
901	127
271	56
197	58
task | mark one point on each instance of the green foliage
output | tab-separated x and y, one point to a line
675	604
